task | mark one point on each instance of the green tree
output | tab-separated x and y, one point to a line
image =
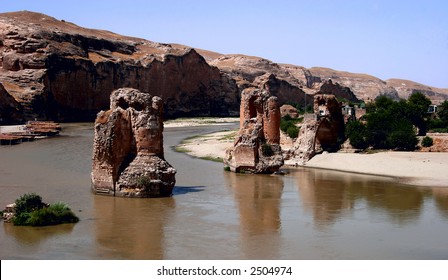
419	104
356	132
402	135
442	112
378	127
390	124
383	102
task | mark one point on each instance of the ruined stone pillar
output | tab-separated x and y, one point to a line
256	148
128	158
113	143
271	121
248	108
148	128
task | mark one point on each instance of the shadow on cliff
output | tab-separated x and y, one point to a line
179	190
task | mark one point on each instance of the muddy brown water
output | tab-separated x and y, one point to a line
213	214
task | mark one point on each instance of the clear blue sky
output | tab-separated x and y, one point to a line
387	39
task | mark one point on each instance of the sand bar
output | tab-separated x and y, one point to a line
184	122
415	168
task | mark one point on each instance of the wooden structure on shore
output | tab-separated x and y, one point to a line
32	130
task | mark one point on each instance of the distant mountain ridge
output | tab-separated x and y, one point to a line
53	69
364	86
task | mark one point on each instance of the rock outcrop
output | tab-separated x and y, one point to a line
257	145
405	88
365	87
337	90
288	110
10	109
128	157
246	69
60	71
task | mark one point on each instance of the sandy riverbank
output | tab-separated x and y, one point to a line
414	168
183	122
212	146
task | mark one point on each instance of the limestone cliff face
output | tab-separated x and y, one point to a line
247	69
128	157
10	109
336	89
186	83
58	70
365	87
405	88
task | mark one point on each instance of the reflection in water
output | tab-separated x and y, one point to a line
213	214
258	198
401	203
131	228
441	199
33	236
323	196
328	194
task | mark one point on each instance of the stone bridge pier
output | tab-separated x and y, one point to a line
128	157
320	131
257	146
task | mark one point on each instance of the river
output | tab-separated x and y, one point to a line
214	214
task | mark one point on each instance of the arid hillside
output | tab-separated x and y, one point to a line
58	70
53	69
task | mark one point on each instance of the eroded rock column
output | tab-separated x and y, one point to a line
128	158
257	145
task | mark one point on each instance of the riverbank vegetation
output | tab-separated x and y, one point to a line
390	124
289	126
440	122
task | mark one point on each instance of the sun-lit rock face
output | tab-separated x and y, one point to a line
10	109
58	70
257	145
128	157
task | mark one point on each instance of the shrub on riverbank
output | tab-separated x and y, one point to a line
427	141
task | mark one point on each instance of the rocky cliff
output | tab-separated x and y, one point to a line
246	70
405	88
58	70
10	109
